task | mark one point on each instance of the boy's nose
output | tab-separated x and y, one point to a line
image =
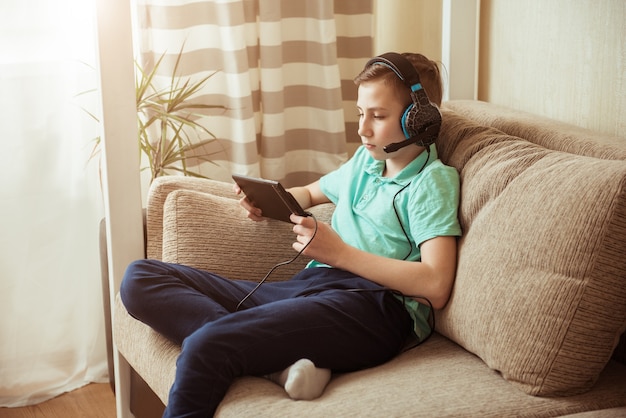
364	129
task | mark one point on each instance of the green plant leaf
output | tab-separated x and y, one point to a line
170	123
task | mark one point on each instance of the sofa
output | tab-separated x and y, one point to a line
535	324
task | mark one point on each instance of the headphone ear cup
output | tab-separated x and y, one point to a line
407	121
420	118
419	114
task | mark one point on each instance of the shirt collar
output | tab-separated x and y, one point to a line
376	167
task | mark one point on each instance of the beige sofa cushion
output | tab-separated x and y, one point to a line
541	130
540	293
190	237
160	188
436	379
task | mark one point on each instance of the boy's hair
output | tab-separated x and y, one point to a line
428	70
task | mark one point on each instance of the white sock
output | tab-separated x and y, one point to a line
302	380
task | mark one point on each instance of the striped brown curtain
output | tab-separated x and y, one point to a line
284	71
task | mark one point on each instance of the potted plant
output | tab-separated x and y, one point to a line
169	132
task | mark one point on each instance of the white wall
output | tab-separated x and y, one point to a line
408	26
443	30
565	59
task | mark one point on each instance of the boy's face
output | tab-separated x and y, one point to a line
380	110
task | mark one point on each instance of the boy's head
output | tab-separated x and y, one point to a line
427	70
415	82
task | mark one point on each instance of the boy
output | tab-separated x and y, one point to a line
394	227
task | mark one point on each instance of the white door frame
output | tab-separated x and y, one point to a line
460	24
120	161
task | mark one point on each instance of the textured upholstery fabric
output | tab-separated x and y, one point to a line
226	251
159	190
537	307
604	413
151	355
438	379
548	133
540	293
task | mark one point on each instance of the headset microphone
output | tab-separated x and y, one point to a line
423	138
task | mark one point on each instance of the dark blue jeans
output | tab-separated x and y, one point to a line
316	315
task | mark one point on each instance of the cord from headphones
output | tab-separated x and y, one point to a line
382	289
395	209
284	263
431	317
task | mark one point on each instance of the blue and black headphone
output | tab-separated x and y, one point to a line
421	120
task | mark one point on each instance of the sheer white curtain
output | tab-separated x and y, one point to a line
52	337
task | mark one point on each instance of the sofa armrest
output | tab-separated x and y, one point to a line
201	224
157	195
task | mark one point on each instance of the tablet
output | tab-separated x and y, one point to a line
271	197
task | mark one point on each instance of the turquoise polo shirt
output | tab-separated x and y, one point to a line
365	218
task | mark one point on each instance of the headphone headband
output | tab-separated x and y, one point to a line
399	65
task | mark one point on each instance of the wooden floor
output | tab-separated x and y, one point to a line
93	401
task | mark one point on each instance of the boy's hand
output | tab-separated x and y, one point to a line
254	213
325	247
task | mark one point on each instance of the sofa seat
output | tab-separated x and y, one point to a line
452	383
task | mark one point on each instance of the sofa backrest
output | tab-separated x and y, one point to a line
540	293
548	133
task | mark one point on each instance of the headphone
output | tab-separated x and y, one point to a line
422	119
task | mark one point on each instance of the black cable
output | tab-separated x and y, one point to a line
406	235
395	209
284	263
384	289
431	316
